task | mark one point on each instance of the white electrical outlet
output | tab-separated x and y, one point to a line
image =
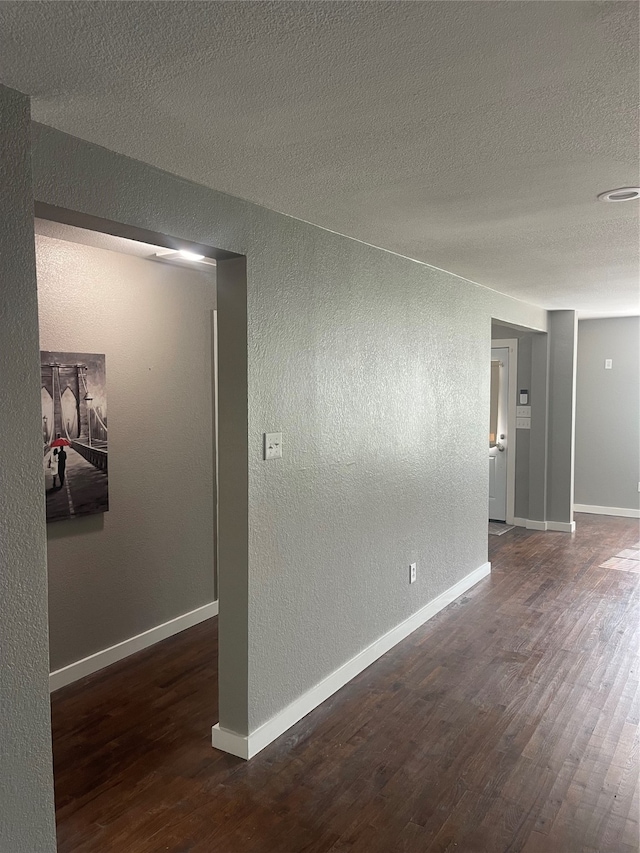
413	572
273	445
608	364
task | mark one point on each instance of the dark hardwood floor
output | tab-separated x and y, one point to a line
509	722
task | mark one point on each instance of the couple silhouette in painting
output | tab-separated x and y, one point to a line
57	464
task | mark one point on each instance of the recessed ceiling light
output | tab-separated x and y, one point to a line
621	194
190	256
182	258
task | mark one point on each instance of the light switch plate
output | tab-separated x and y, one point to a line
273	445
523	411
523	423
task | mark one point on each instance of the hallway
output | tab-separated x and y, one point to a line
506	723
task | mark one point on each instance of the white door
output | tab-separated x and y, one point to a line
498	438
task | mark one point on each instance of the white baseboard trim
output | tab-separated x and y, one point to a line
246	746
86	666
532	524
562	526
607	510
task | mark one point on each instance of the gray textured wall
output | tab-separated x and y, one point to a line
233	542
608	413
151	557
563	339
538	446
26	783
376	370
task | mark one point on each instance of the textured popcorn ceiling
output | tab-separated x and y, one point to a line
474	136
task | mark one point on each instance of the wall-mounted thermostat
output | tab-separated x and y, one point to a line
524	397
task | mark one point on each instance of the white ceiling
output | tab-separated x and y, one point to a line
473	136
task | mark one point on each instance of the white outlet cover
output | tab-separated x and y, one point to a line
413	572
273	445
608	364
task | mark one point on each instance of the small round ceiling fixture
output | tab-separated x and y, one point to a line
621	194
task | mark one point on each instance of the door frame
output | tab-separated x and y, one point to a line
512	345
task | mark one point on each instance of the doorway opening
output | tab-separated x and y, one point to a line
502	434
122	580
498	434
128	385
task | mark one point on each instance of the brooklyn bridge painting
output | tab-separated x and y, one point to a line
74	433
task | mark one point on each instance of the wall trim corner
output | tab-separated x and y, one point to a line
562	526
558	526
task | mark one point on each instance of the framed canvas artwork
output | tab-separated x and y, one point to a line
74	434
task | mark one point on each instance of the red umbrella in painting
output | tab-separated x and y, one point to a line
60	442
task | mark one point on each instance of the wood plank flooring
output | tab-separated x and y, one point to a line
509	722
